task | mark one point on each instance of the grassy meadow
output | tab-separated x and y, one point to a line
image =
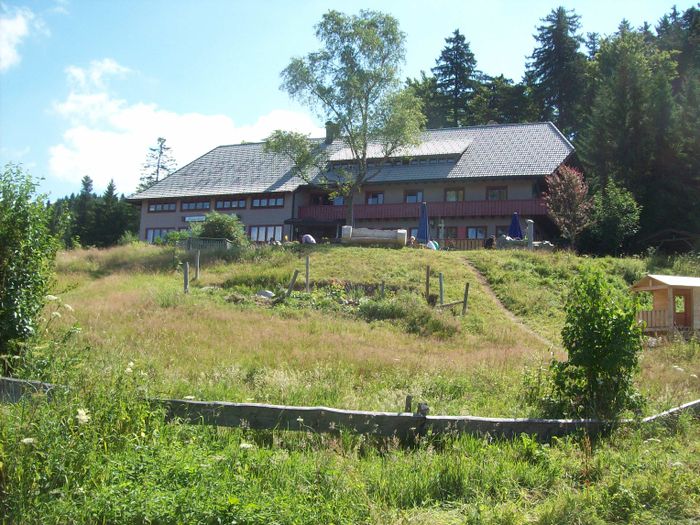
121	329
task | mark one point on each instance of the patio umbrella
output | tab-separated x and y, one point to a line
423	227
514	230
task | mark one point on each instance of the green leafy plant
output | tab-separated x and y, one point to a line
27	252
220	225
603	339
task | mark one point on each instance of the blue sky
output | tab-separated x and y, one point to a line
86	87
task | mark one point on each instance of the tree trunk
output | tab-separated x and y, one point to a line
349	210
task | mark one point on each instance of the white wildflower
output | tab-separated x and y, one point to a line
300	420
128	370
83	416
188	398
68	307
676	367
246	446
55	314
28	441
694	376
130	364
51	298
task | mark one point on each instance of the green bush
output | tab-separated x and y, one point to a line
417	317
603	339
27	252
382	310
219	225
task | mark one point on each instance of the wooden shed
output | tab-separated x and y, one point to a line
676	302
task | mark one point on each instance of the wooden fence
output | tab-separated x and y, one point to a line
401	425
654	319
203	243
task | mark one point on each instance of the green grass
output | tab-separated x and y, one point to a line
127	465
342	346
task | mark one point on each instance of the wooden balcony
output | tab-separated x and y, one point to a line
524	207
654	320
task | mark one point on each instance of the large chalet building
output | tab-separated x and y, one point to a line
472	180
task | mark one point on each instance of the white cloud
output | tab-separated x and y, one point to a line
108	137
14	27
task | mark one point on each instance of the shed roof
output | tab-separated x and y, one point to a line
499	150
668	280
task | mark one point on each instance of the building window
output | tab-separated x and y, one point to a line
195	205
157	207
157	233
450	232
267	201
323	199
265	233
230	204
476	232
413	196
375	197
497	193
454	195
502	230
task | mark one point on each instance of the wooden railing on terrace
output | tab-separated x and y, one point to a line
529	207
654	319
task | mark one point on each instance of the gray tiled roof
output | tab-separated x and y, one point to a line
438	145
507	150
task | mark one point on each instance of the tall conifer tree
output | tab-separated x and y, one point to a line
556	71
457	77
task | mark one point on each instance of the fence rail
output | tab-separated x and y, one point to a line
653	319
323	419
203	243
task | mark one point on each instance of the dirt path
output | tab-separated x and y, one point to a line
510	315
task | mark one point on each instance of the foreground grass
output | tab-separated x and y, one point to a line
127	465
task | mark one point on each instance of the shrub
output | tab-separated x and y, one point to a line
127	238
27	252
219	225
417	317
603	341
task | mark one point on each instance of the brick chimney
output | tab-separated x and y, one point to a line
331	131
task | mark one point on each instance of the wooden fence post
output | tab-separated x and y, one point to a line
196	265
292	282
466	296
408	405
442	289
186	277
427	283
308	286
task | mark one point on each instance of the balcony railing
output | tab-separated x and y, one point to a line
525	207
654	319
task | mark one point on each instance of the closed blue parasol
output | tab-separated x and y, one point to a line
514	230
423	226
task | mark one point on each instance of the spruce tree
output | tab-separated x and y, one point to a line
457	77
426	90
630	134
556	70
159	164
498	99
84	213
